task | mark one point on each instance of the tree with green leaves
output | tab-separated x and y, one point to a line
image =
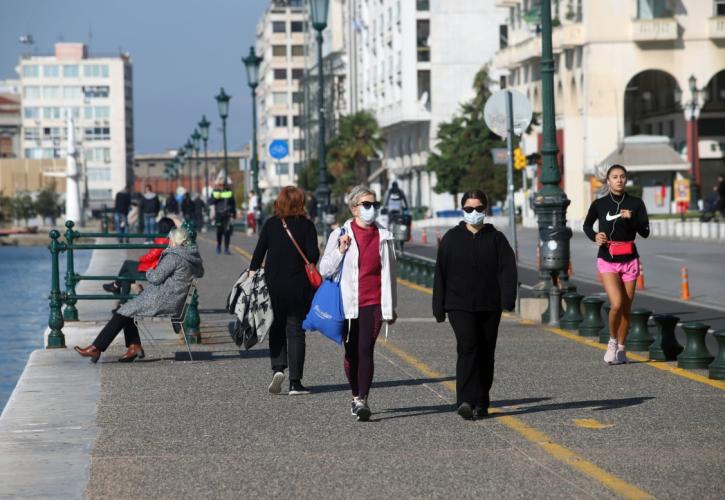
23	207
358	141
47	203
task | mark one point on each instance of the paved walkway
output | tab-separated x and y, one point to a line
566	425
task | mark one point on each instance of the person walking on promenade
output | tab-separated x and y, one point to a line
721	193
187	208
172	206
475	279
121	207
363	252
150	207
621	216
225	210
165	293
252	212
199	210
281	240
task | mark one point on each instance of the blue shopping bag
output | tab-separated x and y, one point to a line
326	314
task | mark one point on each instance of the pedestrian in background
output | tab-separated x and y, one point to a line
365	255
225	211
289	288
150	207
475	280
199	209
252	212
721	193
172	206
121	207
621	217
187	208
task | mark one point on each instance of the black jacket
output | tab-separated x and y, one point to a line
150	204
474	272
284	269
172	206
123	202
616	228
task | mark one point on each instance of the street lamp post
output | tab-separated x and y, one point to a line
180	159
692	115
251	64
189	147
550	203
204	130
223	103
318	16
195	138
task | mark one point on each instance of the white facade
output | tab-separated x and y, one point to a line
282	41
98	93
413	65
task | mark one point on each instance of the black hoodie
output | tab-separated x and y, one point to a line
474	272
606	210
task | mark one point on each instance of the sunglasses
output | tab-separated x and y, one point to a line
367	204
479	209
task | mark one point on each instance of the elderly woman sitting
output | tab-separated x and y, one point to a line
168	285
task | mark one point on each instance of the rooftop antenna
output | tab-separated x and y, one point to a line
27	39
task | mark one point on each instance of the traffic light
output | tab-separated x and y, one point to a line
519	159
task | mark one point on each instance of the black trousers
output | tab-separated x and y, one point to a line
287	345
127	269
476	334
223	229
117	323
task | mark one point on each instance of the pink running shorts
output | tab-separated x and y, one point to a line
628	271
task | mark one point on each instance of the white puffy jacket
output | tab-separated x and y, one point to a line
330	263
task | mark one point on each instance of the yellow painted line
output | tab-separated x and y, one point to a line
593	342
539	438
590	423
236	248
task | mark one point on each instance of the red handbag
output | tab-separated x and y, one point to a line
313	275
621	248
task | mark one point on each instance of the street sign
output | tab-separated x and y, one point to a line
494	112
278	149
682	190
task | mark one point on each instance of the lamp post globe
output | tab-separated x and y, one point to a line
318	13
223	104
251	65
204	131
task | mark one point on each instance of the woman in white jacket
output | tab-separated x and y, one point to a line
364	250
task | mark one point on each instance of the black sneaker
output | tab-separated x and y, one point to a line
362	410
111	288
480	413
465	411
353	407
297	389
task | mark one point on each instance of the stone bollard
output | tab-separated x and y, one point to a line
572	317
592	323
604	332
695	354
554	306
638	337
717	367
665	346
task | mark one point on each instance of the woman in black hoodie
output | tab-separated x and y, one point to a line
475	279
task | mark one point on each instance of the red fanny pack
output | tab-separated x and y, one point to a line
621	248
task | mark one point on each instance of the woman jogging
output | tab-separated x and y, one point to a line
621	216
475	279
366	254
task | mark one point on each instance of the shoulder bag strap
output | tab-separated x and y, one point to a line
294	242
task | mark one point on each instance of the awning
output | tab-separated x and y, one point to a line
646	153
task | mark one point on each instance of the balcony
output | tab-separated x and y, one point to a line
717	27
654	30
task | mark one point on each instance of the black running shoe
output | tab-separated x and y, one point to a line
297	389
362	410
480	413
465	411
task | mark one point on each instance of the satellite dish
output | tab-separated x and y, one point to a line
494	112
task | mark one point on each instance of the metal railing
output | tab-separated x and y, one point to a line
70	298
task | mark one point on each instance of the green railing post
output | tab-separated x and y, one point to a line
592	323
717	367
414	270
193	320
604	332
638	338
104	220
572	317
56	339
695	354
71	311
429	274
665	346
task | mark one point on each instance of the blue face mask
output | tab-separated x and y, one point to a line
368	215
474	218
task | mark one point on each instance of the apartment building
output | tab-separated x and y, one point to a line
98	93
412	63
282	42
9	119
628	74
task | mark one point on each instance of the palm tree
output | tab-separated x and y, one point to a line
359	140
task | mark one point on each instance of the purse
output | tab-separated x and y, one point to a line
313	275
621	248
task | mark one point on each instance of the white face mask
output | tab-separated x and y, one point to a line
474	218
368	215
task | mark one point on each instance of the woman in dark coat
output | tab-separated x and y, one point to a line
167	288
475	279
289	288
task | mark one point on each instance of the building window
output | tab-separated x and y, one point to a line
31	71
279	98
282	168
51	113
298	73
720	7
280	74
95	70
100	194
72	93
298	51
424	96
297	26
97	133
54	133
98	173
31	92
70	71
31	133
422	34
653	9
96	91
298	144
51	92
279	27
279	50
280	121
503	36
298	97
31	112
51	71
97	113
296	121
98	155
423	5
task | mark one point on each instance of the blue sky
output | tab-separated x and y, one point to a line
182	51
